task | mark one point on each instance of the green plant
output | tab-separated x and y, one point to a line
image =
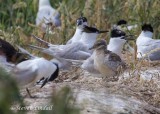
9	94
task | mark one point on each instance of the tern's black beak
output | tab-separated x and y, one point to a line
128	37
103	31
79	22
44	82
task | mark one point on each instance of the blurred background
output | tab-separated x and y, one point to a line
17	23
17	17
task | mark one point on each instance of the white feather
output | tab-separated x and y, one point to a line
46	14
30	71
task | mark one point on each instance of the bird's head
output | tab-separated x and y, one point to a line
81	21
122	22
99	44
119	34
147	27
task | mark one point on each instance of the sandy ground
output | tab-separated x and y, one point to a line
83	84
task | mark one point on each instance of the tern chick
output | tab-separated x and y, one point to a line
106	62
147	47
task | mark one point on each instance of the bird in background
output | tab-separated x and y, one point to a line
28	72
147	47
120	23
47	15
76	37
106	62
77	50
123	25
116	43
117	40
79	30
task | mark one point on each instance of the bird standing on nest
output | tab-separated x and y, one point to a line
147	47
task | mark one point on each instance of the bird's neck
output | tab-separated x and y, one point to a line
44	3
146	34
89	39
116	45
77	35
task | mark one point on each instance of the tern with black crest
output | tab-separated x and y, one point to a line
77	50
147	47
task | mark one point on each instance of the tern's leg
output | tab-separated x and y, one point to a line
28	92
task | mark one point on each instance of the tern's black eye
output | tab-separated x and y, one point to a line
84	19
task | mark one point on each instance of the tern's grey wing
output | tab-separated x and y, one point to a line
81	55
24	77
72	51
152	48
152	44
114	62
154	56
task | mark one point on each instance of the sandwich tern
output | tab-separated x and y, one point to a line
76	37
147	47
79	30
47	15
27	73
77	50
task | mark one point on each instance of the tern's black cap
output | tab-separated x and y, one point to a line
147	27
122	22
117	33
81	20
